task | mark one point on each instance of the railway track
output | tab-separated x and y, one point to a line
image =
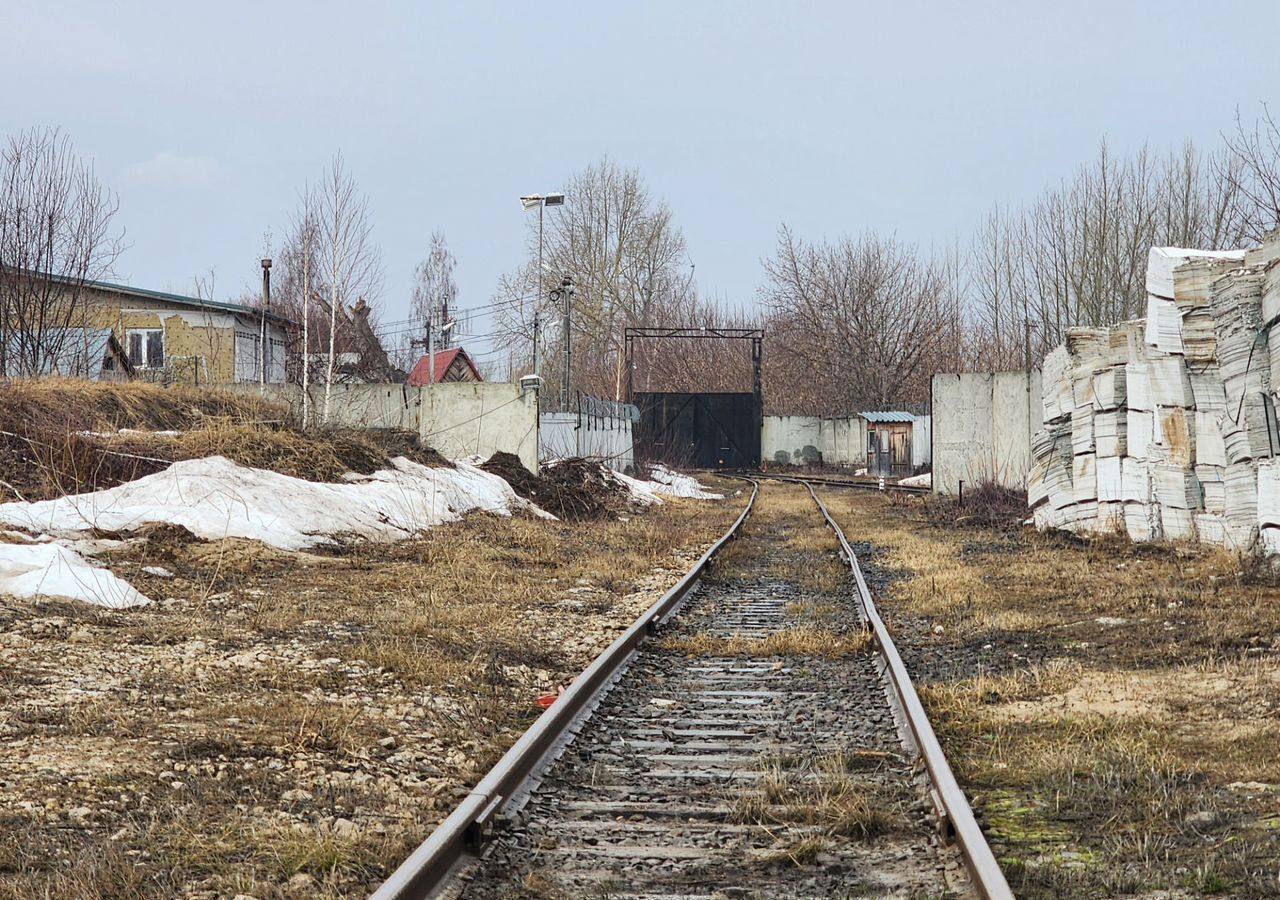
765	743
837	482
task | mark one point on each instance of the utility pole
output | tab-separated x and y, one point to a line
566	297
431	346
262	335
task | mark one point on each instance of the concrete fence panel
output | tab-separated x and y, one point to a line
983	423
459	419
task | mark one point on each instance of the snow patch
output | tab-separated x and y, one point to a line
51	570
216	498
665	481
922	480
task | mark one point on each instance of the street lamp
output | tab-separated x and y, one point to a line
541	201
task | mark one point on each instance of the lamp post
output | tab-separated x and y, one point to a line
541	201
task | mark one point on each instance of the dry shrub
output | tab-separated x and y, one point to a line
986	505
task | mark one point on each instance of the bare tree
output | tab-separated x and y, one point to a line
1077	255
860	321
327	264
56	237
628	261
1251	166
435	291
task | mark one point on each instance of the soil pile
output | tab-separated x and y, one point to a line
573	490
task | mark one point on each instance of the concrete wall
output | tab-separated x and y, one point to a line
797	440
982	428
922	442
458	419
606	438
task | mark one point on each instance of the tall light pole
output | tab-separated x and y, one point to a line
541	201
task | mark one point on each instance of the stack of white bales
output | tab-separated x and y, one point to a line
1169	421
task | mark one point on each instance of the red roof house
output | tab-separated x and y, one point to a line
451	365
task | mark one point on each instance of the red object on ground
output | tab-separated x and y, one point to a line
546	700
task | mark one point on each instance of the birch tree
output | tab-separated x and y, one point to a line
353	263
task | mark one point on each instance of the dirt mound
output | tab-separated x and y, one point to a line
574	490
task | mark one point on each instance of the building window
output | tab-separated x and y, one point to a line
146	348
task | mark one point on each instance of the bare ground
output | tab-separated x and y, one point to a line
288	725
1111	709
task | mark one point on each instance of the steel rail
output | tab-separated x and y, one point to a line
984	871
842	483
464	832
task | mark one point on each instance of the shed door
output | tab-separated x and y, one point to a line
900	452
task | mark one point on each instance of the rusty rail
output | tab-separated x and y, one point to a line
466	829
953	806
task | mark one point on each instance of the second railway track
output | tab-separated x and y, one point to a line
759	746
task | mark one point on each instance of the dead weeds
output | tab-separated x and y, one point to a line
1109	707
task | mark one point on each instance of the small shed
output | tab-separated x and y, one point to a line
450	365
889	438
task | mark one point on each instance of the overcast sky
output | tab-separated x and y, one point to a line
833	117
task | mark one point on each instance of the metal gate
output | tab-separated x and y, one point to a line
705	431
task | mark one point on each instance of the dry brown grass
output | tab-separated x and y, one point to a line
62	437
1109	707
381	682
808	803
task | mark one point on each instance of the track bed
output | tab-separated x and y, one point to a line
750	751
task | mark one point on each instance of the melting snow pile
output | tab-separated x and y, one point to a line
923	480
665	481
30	570
1166	426
215	498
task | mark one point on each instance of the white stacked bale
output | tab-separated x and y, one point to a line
1110	433
1174	436
1241	481
1243	356
1270	310
1164	324
1109	388
1168	380
1269	505
1082	430
1211	449
1055	385
1162	263
1139	434
1213	488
